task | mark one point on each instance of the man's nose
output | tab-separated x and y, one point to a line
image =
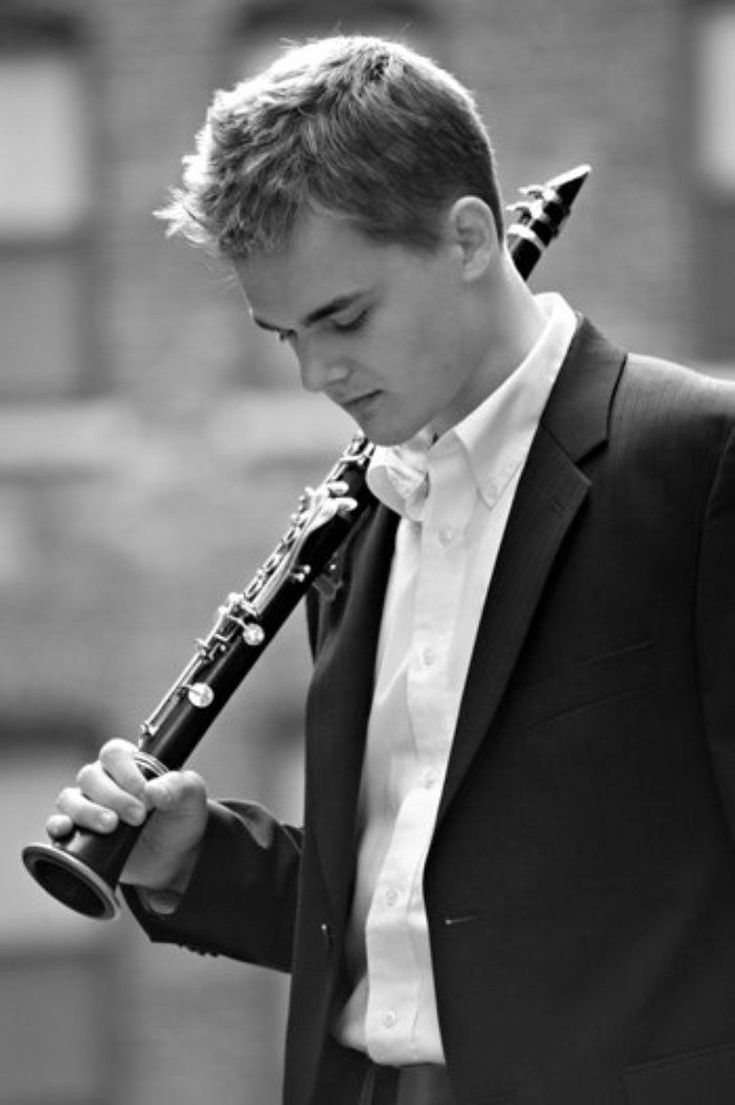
317	370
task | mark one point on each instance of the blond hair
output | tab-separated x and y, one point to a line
354	126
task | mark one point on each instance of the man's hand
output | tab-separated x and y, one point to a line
112	789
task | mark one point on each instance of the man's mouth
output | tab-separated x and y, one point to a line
357	403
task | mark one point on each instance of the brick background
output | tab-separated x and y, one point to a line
129	515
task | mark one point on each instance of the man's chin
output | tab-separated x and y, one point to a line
377	416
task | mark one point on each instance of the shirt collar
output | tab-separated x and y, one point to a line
495	436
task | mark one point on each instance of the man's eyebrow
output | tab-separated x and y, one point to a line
339	303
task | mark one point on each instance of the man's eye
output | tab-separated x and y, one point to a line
351	324
285	335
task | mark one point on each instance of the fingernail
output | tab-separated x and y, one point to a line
136	814
108	819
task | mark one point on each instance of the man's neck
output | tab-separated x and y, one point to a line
505	323
514	326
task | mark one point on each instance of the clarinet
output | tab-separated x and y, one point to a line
83	871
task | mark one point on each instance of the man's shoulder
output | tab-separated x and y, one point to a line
672	415
655	373
675	386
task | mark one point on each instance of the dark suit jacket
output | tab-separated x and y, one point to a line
580	889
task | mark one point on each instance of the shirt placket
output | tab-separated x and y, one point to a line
439	582
397	945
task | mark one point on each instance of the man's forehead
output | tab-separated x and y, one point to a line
315	234
278	305
312	279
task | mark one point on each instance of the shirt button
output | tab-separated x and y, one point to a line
428	656
389	1019
391	896
430	778
446	536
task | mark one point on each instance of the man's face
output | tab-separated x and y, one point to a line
377	328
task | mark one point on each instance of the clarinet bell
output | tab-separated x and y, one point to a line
82	871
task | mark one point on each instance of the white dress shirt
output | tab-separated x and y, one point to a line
454	497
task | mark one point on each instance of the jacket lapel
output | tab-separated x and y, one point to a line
339	703
550	493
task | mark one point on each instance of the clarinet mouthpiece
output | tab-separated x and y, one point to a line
541	214
568	184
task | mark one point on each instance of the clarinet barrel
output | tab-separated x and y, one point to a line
83	871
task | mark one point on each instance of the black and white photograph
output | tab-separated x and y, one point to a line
367	552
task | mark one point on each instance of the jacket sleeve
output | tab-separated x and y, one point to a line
716	626
241	901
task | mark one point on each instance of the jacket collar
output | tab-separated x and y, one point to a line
577	413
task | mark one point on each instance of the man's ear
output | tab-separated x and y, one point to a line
472	229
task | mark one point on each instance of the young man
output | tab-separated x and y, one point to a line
515	882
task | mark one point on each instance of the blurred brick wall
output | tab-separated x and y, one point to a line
604	83
129	516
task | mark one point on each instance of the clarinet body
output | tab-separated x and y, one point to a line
83	871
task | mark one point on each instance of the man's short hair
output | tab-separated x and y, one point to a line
353	126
